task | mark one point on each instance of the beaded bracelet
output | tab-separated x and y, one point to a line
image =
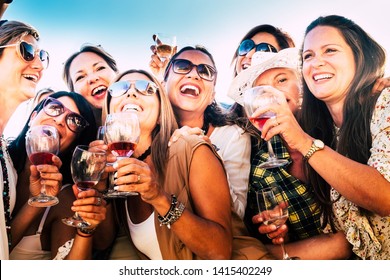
86	232
173	213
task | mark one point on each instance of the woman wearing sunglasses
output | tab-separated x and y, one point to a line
177	215
38	233
21	67
89	72
190	79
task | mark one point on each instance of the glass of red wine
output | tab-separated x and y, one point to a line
42	143
87	166
122	132
274	209
255	98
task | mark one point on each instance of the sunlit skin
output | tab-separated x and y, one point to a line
56	233
243	62
66	135
18	78
287	83
187	102
328	67
285	80
147	106
91	76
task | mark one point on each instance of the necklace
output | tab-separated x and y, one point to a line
145	154
6	196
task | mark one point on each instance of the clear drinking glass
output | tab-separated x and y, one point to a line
122	134
274	209
42	143
87	166
255	98
165	45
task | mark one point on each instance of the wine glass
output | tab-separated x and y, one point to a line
42	143
100	133
87	166
122	134
255	98
274	210
165	45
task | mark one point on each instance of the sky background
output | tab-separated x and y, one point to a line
125	28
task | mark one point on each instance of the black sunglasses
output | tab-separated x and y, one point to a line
27	52
54	108
248	45
184	66
142	86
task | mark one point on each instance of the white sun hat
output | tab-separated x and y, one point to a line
261	62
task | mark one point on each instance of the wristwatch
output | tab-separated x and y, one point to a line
316	146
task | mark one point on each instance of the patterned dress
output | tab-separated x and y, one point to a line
368	232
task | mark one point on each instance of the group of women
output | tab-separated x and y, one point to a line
196	168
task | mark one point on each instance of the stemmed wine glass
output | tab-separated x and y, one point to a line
122	132
274	210
255	98
165	45
42	143
87	166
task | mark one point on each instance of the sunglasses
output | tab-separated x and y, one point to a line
27	52
142	86
184	66
54	108
248	45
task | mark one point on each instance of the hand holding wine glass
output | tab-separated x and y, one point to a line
163	49
42	143
258	97
87	166
274	210
122	132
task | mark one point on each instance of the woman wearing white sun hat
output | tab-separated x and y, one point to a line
281	73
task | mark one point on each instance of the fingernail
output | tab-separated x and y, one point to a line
116	188
115	165
169	143
115	175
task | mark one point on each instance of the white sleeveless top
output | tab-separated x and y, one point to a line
30	247
144	236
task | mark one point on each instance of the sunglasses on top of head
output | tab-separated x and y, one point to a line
27	52
142	86
247	45
54	108
184	66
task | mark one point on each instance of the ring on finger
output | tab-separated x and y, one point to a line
268	236
275	118
99	201
138	179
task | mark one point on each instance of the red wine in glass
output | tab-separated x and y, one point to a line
261	97
259	122
42	143
41	158
122	148
85	185
122	132
87	166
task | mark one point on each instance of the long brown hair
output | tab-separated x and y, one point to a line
353	140
164	129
